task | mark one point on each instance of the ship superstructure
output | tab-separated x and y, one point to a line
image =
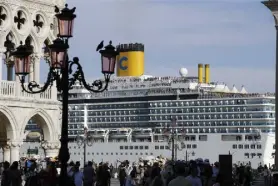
211	119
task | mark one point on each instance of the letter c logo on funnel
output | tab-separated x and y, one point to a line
123	67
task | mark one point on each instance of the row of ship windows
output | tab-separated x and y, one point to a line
161	147
204	116
206	130
252	155
134	147
215	109
112	153
169	117
246	146
174	104
178	124
188	146
170	111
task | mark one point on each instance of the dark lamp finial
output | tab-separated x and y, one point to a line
110	42
21	42
66	5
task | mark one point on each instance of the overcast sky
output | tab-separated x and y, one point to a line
236	37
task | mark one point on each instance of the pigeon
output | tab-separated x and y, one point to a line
100	46
57	10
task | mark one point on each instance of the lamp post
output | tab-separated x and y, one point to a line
272	5
86	140
187	154
61	71
173	139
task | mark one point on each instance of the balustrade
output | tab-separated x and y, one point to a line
13	89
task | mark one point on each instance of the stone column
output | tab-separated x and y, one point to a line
36	69
15	148
7	153
1	62
31	75
10	72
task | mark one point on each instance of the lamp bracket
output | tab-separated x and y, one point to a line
78	75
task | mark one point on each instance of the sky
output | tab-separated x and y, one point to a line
236	37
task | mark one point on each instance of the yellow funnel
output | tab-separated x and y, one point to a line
207	73
130	61
200	73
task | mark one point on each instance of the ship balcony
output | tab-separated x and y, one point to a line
99	133
142	133
120	133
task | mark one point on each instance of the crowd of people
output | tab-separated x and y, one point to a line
155	172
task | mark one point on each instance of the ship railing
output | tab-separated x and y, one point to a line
234	95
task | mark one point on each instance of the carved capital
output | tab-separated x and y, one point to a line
6	147
50	145
14	144
34	58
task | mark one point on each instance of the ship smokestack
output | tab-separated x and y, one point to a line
130	61
200	73
207	73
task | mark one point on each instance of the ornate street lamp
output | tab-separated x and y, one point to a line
86	140
172	133
60	70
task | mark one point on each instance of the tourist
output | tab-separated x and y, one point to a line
180	179
76	175
70	166
122	175
215	172
32	177
52	174
15	174
89	174
5	178
130	180
266	173
247	176
193	177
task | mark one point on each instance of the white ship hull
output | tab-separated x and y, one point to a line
210	149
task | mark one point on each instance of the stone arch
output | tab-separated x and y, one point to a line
33	41
43	119
15	36
9	120
12	37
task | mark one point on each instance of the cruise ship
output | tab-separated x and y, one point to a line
138	115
